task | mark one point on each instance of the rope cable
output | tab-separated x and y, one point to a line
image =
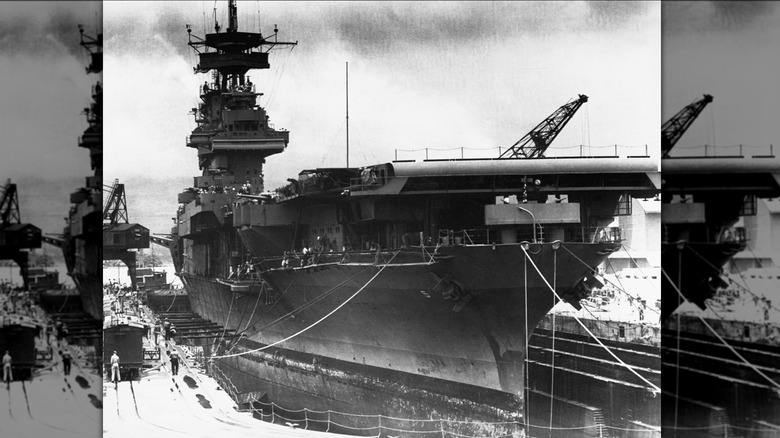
227	320
653	387
316	322
677	367
619	288
717	335
552	355
527	335
626	248
747	289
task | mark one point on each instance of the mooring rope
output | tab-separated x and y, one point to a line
174	300
552	355
67	295
316	322
739	271
717	335
655	388
619	288
227	320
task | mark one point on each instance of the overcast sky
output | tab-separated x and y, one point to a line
730	50
43	88
421	74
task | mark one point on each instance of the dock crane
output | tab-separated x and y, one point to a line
120	236
537	140
674	128
16	237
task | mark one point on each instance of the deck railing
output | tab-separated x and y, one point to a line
574	151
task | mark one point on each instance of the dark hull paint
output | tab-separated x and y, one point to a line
691	266
91	292
403	321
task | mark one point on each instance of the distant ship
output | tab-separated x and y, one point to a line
81	239
403	289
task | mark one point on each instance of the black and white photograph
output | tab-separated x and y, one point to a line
50	195
382	219
721	247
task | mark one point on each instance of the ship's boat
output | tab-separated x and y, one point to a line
41	279
404	289
149	279
53	296
158	294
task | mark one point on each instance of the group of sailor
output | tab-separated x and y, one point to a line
240	88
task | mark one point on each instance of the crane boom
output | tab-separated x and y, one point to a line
674	128
115	210
9	205
536	142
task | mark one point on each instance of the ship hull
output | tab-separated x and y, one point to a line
167	300
695	269
463	320
91	293
343	397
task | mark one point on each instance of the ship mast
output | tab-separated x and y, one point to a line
233	136
347	114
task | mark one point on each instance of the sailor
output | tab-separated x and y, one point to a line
174	362
305	258
205	87
66	359
156	331
115	368
49	330
64	333
167	329
58	327
7	371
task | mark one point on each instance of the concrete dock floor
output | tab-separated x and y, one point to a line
189	404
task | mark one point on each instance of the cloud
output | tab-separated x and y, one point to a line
718	16
44	88
369	28
741	14
615	14
46	27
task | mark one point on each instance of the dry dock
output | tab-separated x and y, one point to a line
190	404
51	404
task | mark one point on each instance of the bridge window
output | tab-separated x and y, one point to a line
624	206
748	206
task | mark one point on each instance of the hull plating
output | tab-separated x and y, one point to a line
91	293
404	319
